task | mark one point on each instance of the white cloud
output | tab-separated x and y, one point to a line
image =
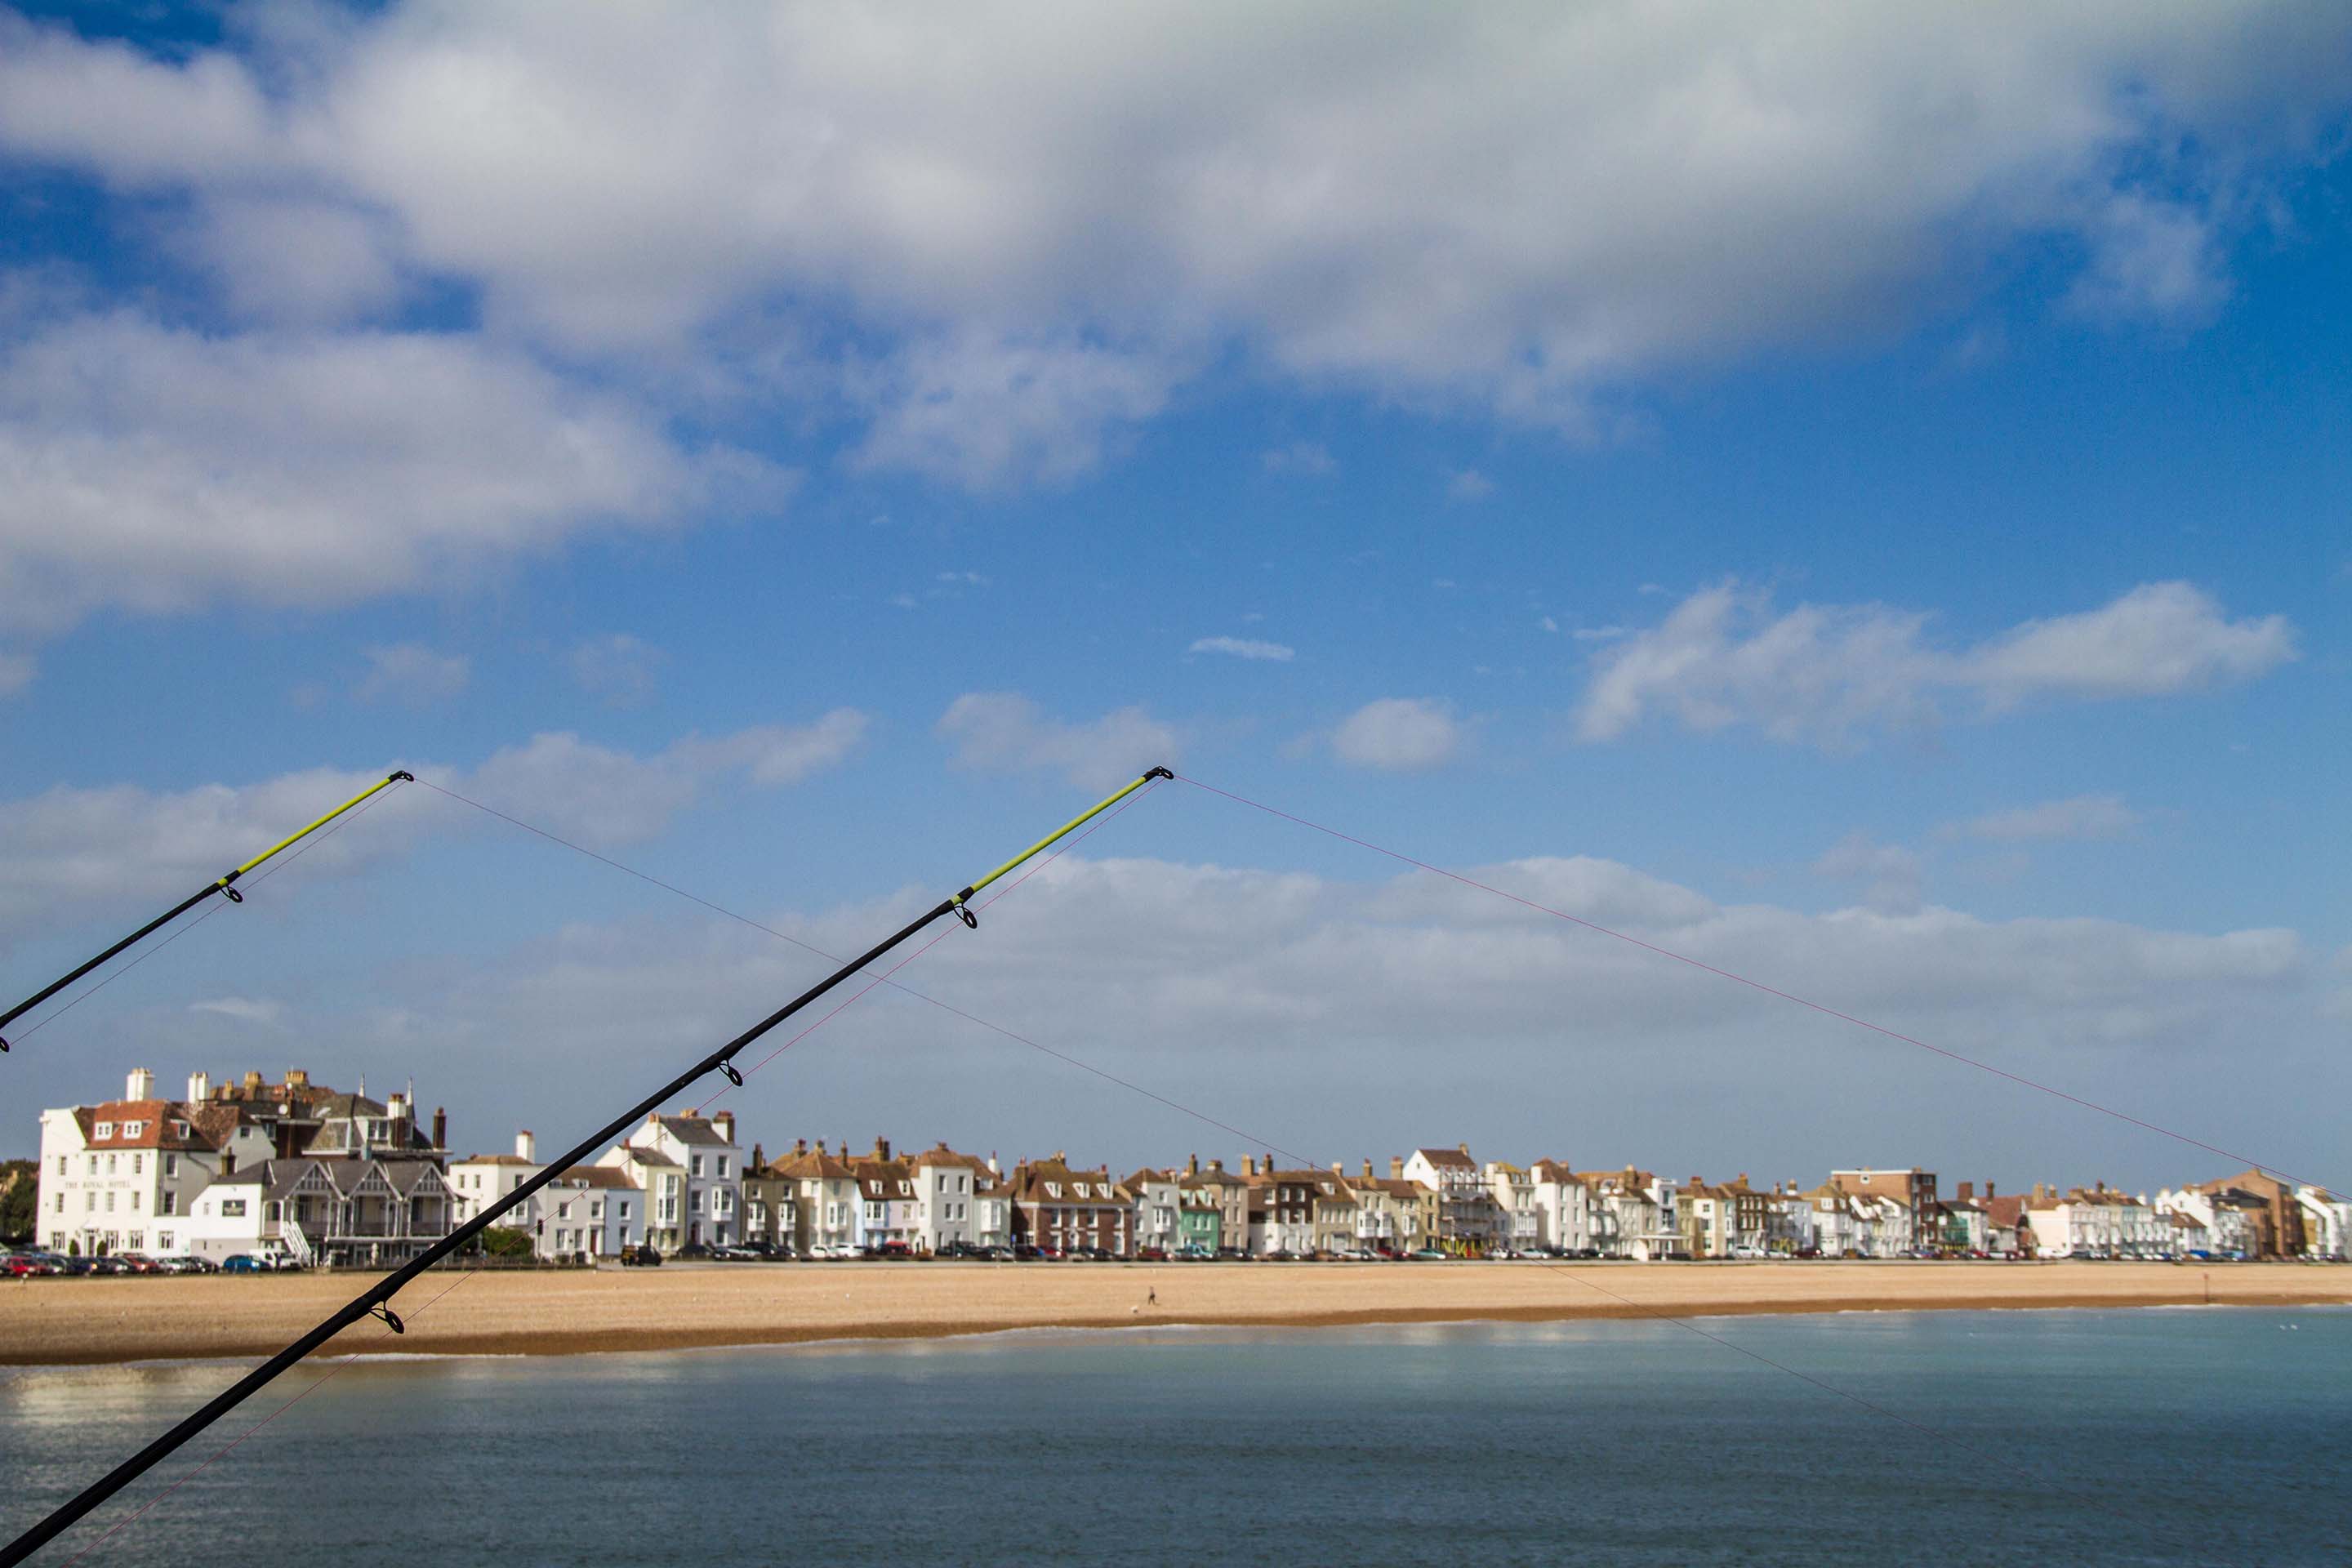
1245	647
16	671
1311	458
964	579
1231	986
245	1009
413	675
1003	731
2083	816
1467	485
618	667
2160	637
159	469
297	262
79	852
784	754
1889	874
1830	673
988	413
1598	634
1508	210
1401	734
1549	624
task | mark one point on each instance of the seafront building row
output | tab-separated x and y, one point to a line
322	1176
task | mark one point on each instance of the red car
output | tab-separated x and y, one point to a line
25	1264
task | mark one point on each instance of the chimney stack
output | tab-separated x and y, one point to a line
441	1127
1338	1167
1191	1164
1396	1167
200	1088
1218	1166
1367	1167
141	1085
298	1077
1463	1147
1968	1191
725	1123
526	1146
252	1079
1988	1192
1249	1165
397	1106
800	1147
881	1147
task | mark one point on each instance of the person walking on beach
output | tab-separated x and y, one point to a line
1151	1294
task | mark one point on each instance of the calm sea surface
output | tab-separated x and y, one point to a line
2151	1436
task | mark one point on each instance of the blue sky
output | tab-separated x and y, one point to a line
1859	500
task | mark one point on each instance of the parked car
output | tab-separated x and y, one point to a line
640	1258
243	1263
140	1263
735	1252
27	1266
1430	1253
109	1264
187	1263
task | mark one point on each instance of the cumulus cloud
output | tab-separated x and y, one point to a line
2083	816
156	469
618	667
244	1009
1242	991
413	675
1831	674
1506	210
1245	647
1003	731
77	852
1888	874
1468	484
1398	734
986	413
1311	458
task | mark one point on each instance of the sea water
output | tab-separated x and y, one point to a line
2220	1435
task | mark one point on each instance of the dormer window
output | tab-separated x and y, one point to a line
105	1130
1053	1189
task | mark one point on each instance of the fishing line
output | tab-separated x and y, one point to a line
947	1007
375	1300
1754	985
61	1011
886	978
224	885
433	1300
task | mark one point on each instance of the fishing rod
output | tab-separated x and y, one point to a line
225	885
375	1300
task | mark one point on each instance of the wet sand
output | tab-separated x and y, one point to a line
100	1320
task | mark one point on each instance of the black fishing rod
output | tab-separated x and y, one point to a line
375	1300
226	884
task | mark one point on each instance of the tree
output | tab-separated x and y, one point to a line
19	1196
505	1241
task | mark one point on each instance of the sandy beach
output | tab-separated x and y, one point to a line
61	1322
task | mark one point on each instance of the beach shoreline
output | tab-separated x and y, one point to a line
103	1321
